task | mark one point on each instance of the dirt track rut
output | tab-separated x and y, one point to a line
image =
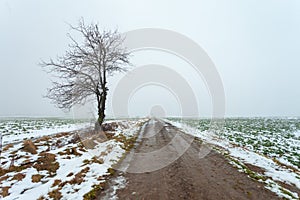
188	176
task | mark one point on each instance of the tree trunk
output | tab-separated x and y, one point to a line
101	109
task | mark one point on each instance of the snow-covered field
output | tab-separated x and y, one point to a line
52	159
271	144
66	165
19	129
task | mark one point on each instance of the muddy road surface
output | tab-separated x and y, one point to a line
168	164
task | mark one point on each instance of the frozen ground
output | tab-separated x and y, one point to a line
67	165
19	129
73	165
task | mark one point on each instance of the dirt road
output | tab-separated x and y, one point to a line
165	164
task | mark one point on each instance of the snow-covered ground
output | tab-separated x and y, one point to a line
11	138
72	167
19	129
68	165
275	172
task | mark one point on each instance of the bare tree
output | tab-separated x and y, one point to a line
84	68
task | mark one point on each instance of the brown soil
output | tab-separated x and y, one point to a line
36	178
255	168
188	177
18	176
29	147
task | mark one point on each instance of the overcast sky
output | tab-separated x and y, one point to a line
254	44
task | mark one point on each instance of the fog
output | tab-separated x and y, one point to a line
254	45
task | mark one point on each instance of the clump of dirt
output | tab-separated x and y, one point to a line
13	168
36	178
97	160
47	161
18	176
70	151
70	174
81	147
3	178
41	198
78	179
93	160
110	126
5	191
43	139
111	171
29	146
62	134
55	194
3	171
7	147
56	182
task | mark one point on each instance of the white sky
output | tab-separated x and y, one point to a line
255	46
